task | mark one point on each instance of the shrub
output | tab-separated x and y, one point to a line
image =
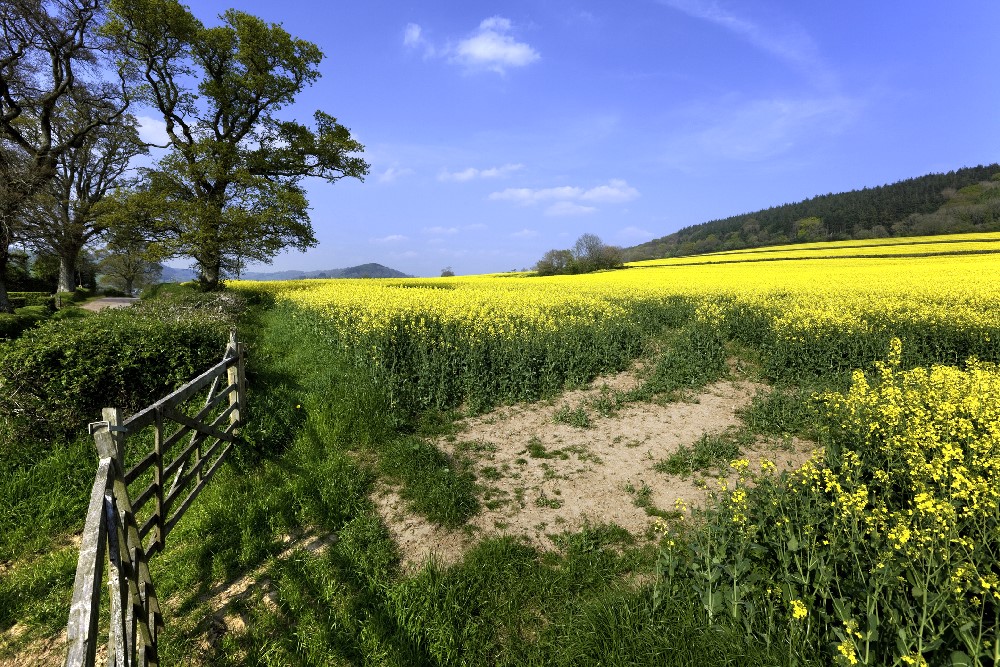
21	299
59	375
13	325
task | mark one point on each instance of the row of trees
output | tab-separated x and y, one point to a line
588	254
931	204
225	188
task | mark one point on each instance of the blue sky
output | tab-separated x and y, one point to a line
496	131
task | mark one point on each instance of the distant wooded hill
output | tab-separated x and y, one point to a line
370	270
966	200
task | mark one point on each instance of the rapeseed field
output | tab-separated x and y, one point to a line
883	549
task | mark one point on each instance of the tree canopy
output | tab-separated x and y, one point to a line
589	254
66	215
52	97
926	205
229	187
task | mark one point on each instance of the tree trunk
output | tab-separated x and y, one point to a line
5	305
67	272
210	273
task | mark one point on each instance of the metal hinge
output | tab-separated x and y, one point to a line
92	428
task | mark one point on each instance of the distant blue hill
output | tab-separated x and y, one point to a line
371	270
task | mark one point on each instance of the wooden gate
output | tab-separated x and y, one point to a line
133	510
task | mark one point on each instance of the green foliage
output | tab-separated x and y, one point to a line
228	191
710	451
577	418
859	213
439	369
58	376
880	551
321	427
588	255
695	356
436	485
14	324
783	411
34	594
21	299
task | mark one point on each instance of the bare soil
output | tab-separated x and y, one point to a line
96	305
541	477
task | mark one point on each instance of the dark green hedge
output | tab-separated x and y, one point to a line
57	377
22	299
13	325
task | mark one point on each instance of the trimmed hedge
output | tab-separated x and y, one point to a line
13	325
58	376
22	299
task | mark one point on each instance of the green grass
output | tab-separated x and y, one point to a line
693	356
577	418
320	434
709	452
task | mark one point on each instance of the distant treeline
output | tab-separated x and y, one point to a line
965	200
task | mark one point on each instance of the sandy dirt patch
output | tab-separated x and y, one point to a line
541	477
109	302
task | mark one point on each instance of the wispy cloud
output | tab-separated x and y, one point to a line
413	35
525	234
392	238
440	230
761	129
616	191
472	173
528	196
782	39
567	208
491	47
393	173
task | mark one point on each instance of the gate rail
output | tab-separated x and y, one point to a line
124	528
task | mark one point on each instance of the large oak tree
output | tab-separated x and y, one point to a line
229	187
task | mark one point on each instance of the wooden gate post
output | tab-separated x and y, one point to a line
112	539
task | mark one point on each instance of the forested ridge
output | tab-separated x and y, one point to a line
963	200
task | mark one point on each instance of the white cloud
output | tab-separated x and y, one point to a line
440	230
472	173
616	191
493	47
564	208
413	38
473	227
412	35
527	196
498	23
525	234
153	130
392	173
392	238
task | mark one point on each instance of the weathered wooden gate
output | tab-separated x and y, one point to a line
126	526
